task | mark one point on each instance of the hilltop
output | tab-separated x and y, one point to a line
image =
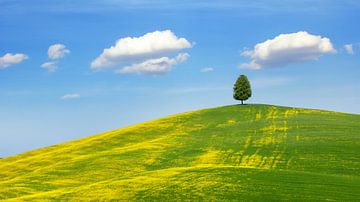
257	152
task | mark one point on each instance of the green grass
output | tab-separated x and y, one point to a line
249	152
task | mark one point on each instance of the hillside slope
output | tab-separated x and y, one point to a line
257	152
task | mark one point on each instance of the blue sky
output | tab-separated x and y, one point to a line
35	113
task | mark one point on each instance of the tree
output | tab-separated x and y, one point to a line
242	89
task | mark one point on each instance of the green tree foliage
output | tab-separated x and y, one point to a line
242	89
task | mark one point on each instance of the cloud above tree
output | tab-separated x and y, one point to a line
286	49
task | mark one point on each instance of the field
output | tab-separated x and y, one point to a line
239	152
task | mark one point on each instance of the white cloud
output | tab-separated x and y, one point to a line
50	66
70	96
57	51
11	59
349	49
286	49
150	45
207	69
156	66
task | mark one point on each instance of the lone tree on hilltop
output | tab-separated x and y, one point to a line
242	89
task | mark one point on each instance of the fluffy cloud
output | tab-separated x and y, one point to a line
50	66
150	45
57	51
11	59
156	66
286	49
349	49
70	96
207	69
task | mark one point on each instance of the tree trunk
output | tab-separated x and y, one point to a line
242	102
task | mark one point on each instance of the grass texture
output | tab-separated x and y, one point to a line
239	152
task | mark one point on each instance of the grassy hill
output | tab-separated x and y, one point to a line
257	152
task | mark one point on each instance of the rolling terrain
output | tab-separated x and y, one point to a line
247	152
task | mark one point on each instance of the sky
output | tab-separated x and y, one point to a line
72	69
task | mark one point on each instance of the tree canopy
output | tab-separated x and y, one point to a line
242	89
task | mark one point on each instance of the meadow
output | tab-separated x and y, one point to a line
238	152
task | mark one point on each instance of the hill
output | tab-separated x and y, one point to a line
257	152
